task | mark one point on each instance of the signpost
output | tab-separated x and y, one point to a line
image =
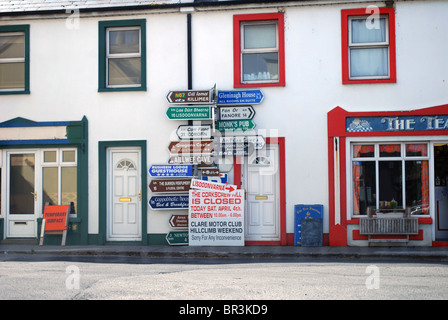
170	185
200	159
236	97
234	149
236	113
168	170
235	125
216	218
190	97
170	202
194	132
189	113
258	141
176	238
179	221
193	146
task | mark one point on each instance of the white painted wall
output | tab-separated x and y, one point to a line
64	83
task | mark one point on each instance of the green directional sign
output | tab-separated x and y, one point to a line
235	125
189	113
177	238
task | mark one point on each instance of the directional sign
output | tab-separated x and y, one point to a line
176	238
189	113
212	186
200	159
169	202
236	113
170	185
234	149
235	125
193	146
258	141
240	97
179	221
168	170
194	132
190	97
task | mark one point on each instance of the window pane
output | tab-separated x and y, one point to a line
125	71
390	180
49	156
12	46
390	150
417	186
260	66
69	185
364	187
372	30
260	36
21	186
367	62
416	150
68	156
50	183
12	75
363	151
124	41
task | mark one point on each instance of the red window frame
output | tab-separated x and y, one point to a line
237	20
345	14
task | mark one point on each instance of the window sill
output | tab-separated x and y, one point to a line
369	81
260	84
121	89
15	92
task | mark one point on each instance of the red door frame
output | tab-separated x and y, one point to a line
280	141
336	125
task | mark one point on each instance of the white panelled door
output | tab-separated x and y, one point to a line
262	190
124	195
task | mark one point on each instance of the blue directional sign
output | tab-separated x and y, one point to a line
240	97
171	170
169	202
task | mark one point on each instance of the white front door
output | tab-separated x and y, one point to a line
22	197
262	190
124	195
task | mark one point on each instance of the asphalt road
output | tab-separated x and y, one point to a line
36	277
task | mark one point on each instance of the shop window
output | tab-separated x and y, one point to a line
59	178
385	179
259	50
368	45
122	50
14	59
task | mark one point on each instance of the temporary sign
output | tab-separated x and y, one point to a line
258	141
236	113
169	170
216	218
240	97
170	185
179	221
190	96
234	149
55	221
176	238
235	125
212	186
200	159
194	132
189	113
169	202
193	146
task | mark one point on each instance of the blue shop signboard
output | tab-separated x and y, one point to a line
397	123
305	211
169	202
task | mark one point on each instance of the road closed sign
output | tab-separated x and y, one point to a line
216	218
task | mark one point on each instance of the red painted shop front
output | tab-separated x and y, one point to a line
388	177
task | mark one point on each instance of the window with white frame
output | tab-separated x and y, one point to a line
59	178
390	177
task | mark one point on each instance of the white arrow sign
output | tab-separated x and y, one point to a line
258	141
213	186
236	113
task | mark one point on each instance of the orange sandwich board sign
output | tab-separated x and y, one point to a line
55	221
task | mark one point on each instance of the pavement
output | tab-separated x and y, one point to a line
274	252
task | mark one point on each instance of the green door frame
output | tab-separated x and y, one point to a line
102	186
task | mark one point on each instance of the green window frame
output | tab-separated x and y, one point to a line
16	30
106	56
